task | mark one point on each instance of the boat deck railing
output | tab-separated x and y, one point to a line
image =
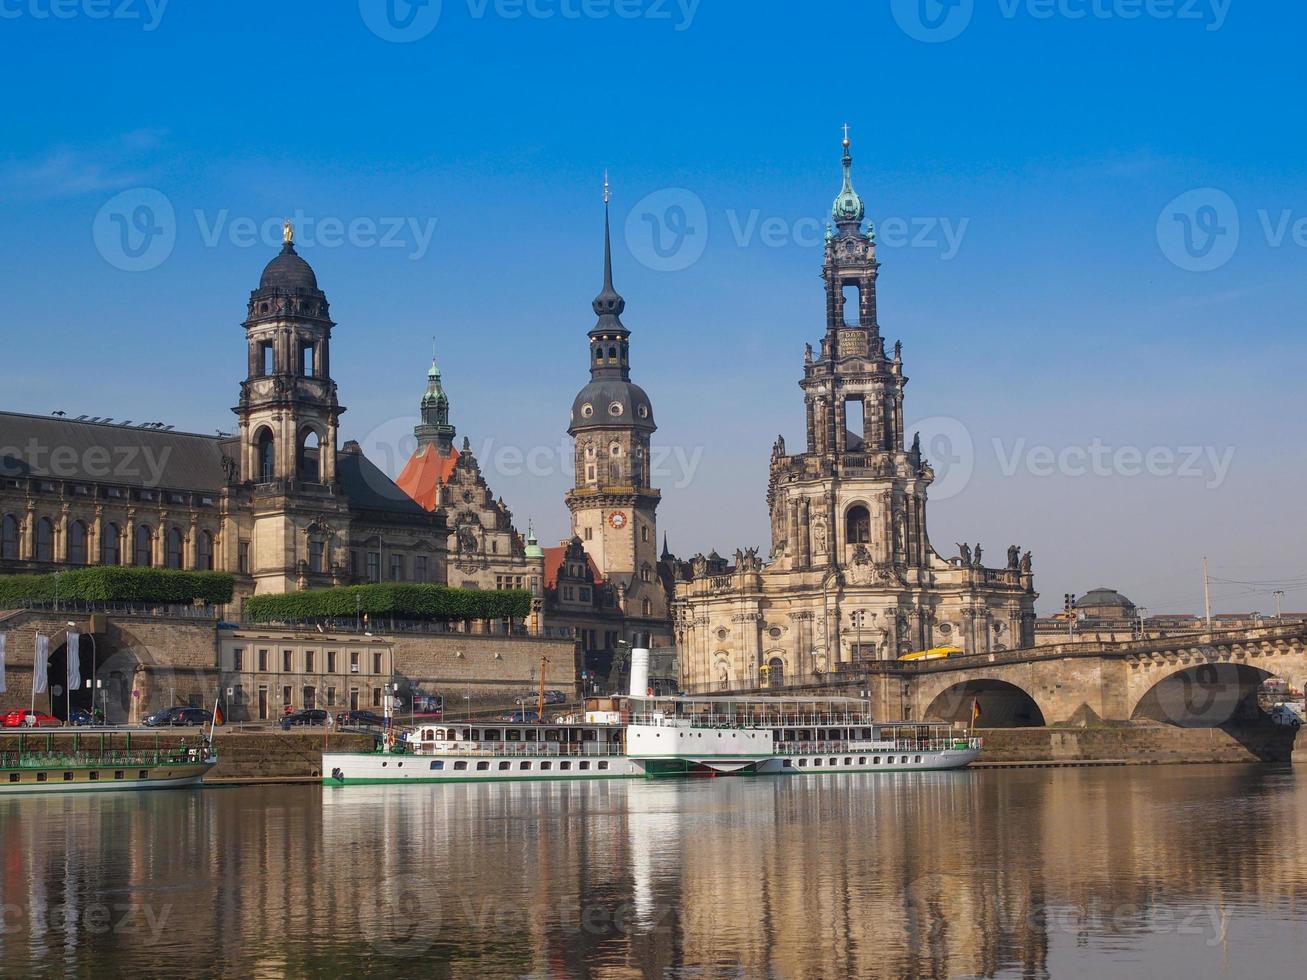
63	760
897	745
515	749
750	720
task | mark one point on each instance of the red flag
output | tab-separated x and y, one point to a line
218	717
975	710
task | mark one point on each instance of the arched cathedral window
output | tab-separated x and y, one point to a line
857	528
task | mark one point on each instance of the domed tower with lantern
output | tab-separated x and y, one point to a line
613	503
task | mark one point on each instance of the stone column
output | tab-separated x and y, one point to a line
29	533
841	425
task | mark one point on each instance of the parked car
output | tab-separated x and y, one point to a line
81	717
309	716
521	717
357	717
29	719
555	697
163	716
192	717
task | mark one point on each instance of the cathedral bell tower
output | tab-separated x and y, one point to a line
613	504
288	410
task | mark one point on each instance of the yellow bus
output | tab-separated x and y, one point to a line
934	653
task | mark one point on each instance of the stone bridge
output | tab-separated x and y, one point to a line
1199	680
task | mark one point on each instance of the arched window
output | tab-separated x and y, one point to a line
776	675
599	354
77	543
612	354
308	457
266	456
9	538
109	545
143	546
204	552
857	526
44	540
172	557
646	608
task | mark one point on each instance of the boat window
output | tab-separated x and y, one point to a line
118	774
583	765
803	762
143	774
553	735
546	765
917	759
588	735
816	762
564	765
524	765
835	762
603	765
40	777
789	763
848	761
503	766
68	777
531	734
493	734
437	765
513	735
482	766
460	766
467	733
428	736
862	760
476	734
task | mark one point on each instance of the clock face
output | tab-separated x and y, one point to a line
617	520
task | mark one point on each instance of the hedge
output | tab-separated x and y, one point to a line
114	583
397	601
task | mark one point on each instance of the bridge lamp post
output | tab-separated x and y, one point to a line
1279	597
1142	612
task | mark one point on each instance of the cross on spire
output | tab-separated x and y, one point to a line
846	133
608	196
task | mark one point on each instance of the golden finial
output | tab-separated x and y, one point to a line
846	135
288	232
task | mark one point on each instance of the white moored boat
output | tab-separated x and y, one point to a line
632	737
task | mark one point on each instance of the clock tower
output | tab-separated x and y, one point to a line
613	504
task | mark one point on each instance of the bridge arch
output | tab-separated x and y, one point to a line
1002	705
1206	695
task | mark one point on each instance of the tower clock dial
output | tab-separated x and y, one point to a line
617	520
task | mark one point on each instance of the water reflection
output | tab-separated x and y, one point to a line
927	875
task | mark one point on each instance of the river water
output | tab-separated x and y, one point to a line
1187	871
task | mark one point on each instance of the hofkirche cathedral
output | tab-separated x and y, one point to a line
284	505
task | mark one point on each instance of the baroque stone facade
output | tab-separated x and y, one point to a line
278	504
852	575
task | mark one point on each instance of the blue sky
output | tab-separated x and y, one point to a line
1032	178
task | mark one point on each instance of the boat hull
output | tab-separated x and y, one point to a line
100	778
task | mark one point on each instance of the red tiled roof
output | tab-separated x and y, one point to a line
426	473
554	562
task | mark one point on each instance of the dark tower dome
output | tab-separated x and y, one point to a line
288	271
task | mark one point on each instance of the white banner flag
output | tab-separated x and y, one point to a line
3	637
41	664
74	661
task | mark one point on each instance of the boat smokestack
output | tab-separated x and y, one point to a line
640	665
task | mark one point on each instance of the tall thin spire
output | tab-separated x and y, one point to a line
848	209
608	305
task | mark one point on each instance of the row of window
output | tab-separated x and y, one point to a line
142	544
397	566
309	699
93	776
310	663
546	765
848	761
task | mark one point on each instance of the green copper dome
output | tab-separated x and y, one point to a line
848	208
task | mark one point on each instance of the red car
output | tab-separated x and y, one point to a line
28	719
